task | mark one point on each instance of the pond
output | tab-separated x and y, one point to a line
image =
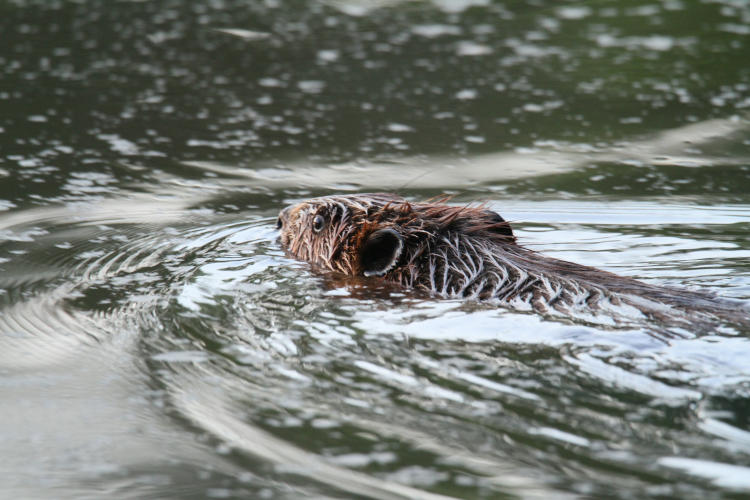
157	342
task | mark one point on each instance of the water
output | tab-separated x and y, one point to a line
155	341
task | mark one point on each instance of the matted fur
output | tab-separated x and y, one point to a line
464	251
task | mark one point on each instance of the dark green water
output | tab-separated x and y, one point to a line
155	342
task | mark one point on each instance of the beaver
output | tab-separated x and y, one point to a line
472	252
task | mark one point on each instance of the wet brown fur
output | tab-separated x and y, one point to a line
470	251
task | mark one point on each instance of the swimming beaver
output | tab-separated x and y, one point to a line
472	252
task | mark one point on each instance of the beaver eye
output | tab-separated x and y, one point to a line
318	223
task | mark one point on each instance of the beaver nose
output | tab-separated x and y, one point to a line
283	218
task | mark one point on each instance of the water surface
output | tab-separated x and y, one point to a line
155	341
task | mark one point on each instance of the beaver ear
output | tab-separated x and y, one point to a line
381	252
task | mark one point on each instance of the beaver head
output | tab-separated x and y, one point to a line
376	234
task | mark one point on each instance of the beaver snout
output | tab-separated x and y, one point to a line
283	218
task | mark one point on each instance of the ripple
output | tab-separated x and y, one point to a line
731	476
39	332
211	409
